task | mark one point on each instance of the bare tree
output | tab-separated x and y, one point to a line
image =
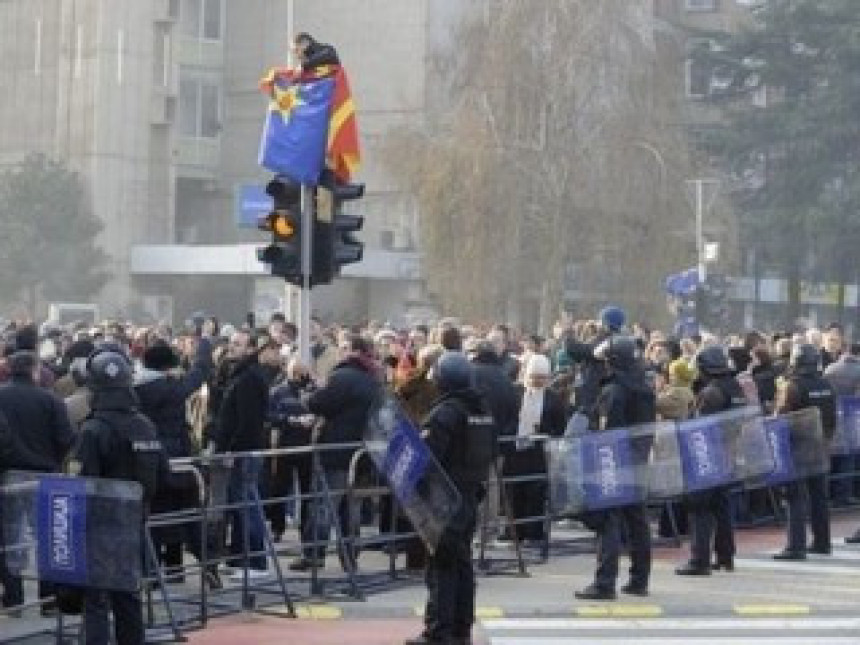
556	153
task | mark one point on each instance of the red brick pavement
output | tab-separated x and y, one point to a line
265	630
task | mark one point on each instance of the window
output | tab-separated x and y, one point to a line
700	5
202	18
698	79
697	69
199	106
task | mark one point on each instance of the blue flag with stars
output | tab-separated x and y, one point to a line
296	131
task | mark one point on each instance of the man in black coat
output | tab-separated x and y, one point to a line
163	396
344	404
39	422
241	427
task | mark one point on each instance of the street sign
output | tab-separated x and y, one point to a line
252	203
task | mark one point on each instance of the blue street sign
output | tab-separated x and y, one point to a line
252	203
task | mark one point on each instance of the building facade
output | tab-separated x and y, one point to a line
155	103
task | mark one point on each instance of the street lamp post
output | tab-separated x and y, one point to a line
702	204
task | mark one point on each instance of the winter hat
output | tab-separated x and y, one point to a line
80	349
538	365
26	338
160	356
680	373
613	318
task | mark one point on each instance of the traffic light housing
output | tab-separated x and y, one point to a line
284	253
335	243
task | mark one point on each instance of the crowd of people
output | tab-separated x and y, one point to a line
220	388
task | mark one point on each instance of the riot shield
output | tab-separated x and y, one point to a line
723	449
422	488
73	530
846	438
600	470
798	447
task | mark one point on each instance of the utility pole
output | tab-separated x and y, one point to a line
702	204
307	268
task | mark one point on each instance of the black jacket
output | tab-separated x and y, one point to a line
718	394
345	404
498	391
593	372
808	389
241	423
459	432
38	420
118	442
765	383
553	420
14	456
162	398
627	399
285	405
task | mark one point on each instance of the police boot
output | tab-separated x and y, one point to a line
693	569
594	592
426	640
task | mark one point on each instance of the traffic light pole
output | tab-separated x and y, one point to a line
307	264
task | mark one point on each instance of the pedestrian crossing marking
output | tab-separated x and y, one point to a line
772	610
620	611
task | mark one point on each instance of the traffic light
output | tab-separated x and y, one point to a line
348	249
284	254
335	243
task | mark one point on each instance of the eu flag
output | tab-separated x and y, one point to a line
295	136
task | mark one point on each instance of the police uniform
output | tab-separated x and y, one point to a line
116	442
626	400
710	510
460	432
806	388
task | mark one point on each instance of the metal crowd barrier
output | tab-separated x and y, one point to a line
170	611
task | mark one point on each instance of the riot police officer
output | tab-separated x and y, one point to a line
710	511
805	387
626	399
460	432
116	442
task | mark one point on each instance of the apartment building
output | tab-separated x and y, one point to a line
155	103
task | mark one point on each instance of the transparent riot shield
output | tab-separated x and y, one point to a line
600	470
798	446
422	488
723	449
846	438
73	530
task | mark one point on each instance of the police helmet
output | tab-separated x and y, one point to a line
452	372
109	370
613	318
618	351
712	360
804	357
